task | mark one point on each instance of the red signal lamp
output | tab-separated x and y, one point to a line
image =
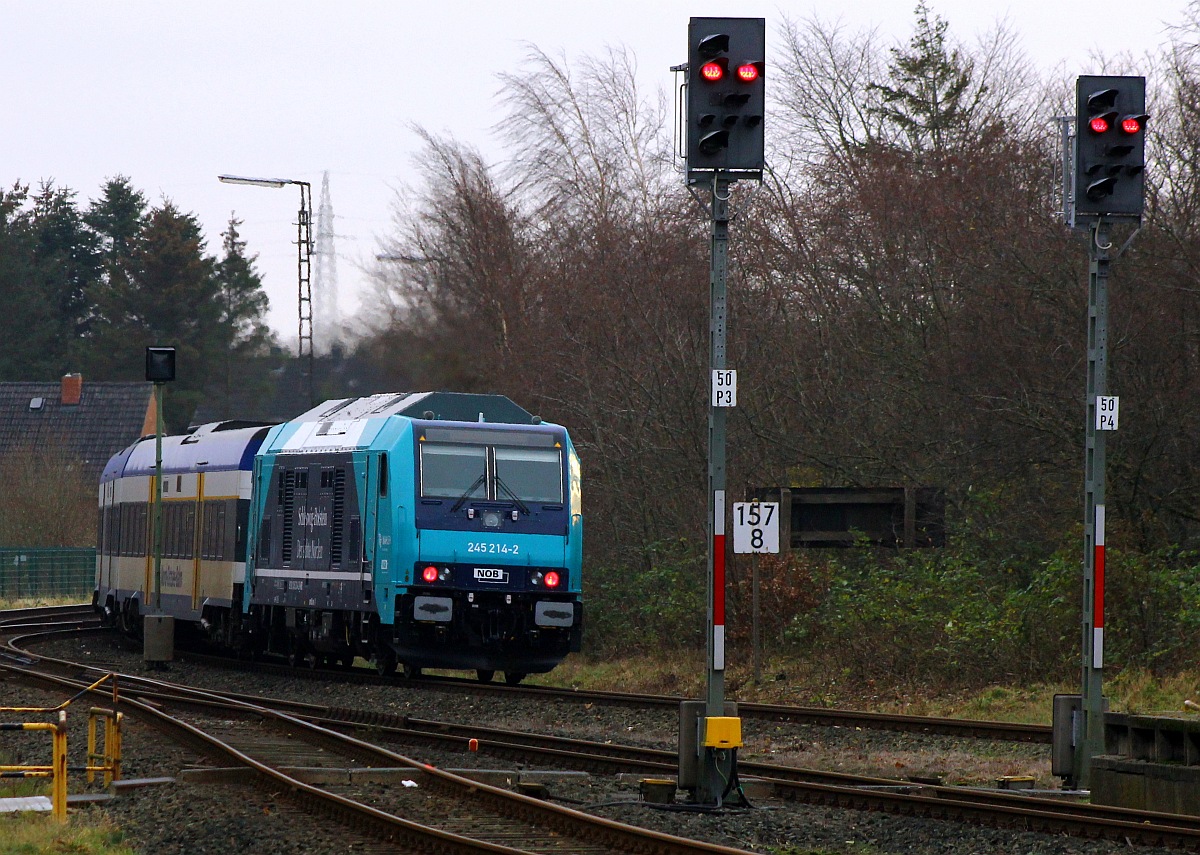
747	72
1132	124
712	72
1098	125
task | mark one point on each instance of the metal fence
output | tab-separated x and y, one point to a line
47	573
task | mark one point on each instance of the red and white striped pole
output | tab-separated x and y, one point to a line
718	587
1098	591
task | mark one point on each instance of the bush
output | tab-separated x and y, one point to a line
45	501
939	618
662	606
1152	609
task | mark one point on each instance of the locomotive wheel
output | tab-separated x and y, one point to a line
412	672
385	662
484	675
512	678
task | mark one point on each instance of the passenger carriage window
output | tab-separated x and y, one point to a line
532	474
168	529
139	517
453	471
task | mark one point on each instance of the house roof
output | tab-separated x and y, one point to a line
108	417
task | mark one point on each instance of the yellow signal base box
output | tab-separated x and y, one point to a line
722	732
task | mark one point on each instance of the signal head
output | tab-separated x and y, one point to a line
1134	123
748	72
1110	144
712	71
725	100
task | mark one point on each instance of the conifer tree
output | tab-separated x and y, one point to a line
930	99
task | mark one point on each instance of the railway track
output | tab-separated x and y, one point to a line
46	618
81	616
938	726
809	786
785	784
468	816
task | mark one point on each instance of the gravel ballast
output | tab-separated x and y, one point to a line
211	817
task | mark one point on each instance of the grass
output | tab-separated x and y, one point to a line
87	832
41	602
793	681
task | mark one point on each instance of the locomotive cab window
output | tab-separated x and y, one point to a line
533	474
522	469
453	471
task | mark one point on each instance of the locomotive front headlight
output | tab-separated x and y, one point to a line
491	519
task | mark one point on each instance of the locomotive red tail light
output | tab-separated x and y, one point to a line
552	579
430	574
712	71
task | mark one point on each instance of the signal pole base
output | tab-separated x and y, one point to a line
158	637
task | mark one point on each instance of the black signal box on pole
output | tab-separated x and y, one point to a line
160	364
725	98
1110	147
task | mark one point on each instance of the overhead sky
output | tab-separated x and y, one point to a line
172	94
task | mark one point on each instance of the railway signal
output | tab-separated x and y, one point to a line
1109	187
723	143
1110	146
160	364
725	98
158	629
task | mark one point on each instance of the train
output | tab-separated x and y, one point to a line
429	530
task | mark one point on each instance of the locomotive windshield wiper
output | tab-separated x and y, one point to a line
521	505
461	499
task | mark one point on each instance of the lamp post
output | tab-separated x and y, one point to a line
304	251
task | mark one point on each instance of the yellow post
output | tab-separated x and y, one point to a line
109	759
91	753
113	749
58	800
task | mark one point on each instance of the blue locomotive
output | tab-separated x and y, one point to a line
420	530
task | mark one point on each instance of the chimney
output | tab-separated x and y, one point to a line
72	389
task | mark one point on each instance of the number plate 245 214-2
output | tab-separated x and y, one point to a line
490	574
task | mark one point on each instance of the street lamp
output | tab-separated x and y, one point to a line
304	250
